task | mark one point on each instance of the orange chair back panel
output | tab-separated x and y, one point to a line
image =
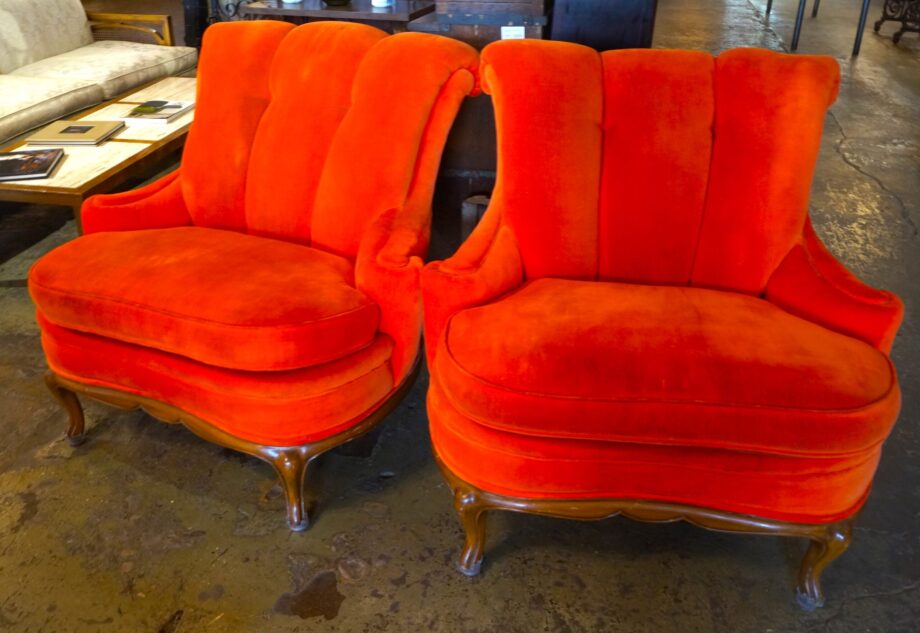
548	106
311	88
233	93
366	171
317	148
769	116
654	166
658	109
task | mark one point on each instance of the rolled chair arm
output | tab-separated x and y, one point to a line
155	206
812	284
387	270
486	266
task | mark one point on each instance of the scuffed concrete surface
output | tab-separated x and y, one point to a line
147	528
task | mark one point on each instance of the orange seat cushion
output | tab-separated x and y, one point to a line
218	297
278	408
665	365
810	488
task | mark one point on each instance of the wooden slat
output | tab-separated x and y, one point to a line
508	7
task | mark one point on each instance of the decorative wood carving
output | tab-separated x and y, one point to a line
290	462
828	540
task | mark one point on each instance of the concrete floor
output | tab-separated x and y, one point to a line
146	528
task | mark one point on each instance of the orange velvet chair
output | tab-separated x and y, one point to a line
644	322
266	294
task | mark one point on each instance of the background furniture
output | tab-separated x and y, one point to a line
189	17
265	295
50	65
800	15
604	25
906	12
134	152
392	19
644	322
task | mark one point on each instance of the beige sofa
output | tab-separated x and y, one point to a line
50	65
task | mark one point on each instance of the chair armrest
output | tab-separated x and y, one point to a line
486	266
157	27
155	206
812	284
387	270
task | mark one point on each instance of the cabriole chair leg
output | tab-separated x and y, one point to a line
472	513
825	547
291	464
68	399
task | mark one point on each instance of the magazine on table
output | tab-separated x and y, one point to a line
29	164
157	112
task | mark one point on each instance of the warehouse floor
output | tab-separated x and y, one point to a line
147	528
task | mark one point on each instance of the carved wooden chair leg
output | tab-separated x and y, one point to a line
70	402
291	465
825	547
472	511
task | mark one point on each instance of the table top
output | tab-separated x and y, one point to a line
399	11
84	166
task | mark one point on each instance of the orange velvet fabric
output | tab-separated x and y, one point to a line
806	488
288	243
644	311
219	297
665	365
282	183
233	93
280	408
157	205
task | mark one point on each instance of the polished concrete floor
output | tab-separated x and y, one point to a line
146	528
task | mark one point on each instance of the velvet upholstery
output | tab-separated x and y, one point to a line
251	320
644	311
270	285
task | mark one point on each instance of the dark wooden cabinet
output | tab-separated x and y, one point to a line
604	24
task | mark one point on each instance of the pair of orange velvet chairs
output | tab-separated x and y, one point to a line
643	323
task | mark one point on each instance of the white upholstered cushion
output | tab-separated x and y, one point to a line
117	66
28	102
31	30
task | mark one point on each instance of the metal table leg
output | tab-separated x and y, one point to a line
861	27
799	16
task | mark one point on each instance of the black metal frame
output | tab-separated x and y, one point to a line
907	12
800	16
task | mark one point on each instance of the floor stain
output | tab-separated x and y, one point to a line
320	597
172	624
28	509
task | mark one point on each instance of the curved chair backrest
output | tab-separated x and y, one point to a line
654	166
308	134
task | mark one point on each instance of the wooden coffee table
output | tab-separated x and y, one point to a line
132	153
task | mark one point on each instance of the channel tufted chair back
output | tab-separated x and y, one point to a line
656	166
309	154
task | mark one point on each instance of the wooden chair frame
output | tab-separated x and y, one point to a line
158	27
828	540
290	462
